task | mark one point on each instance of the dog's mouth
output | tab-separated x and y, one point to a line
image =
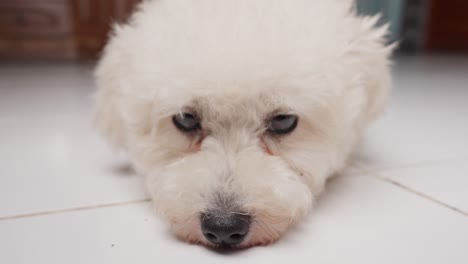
225	248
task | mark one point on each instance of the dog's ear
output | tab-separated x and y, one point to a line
374	52
108	116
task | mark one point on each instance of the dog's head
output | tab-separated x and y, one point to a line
237	111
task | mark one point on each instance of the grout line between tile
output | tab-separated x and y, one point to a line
408	165
74	209
423	195
411	190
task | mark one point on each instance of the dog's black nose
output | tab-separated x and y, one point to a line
225	229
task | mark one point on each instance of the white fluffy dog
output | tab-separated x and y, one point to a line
237	111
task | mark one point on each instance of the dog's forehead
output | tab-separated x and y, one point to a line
238	104
242	101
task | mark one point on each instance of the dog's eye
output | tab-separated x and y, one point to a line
186	122
282	124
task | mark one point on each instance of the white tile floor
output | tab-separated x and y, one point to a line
65	198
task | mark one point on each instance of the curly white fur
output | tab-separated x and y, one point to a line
235	62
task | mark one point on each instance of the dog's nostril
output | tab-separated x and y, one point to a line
225	229
210	236
236	236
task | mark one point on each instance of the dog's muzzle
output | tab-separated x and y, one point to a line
225	229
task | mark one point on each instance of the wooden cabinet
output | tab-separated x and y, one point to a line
30	29
58	29
34	18
93	20
447	27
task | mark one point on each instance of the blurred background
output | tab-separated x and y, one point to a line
78	29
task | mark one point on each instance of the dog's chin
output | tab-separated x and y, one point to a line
250	242
227	248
